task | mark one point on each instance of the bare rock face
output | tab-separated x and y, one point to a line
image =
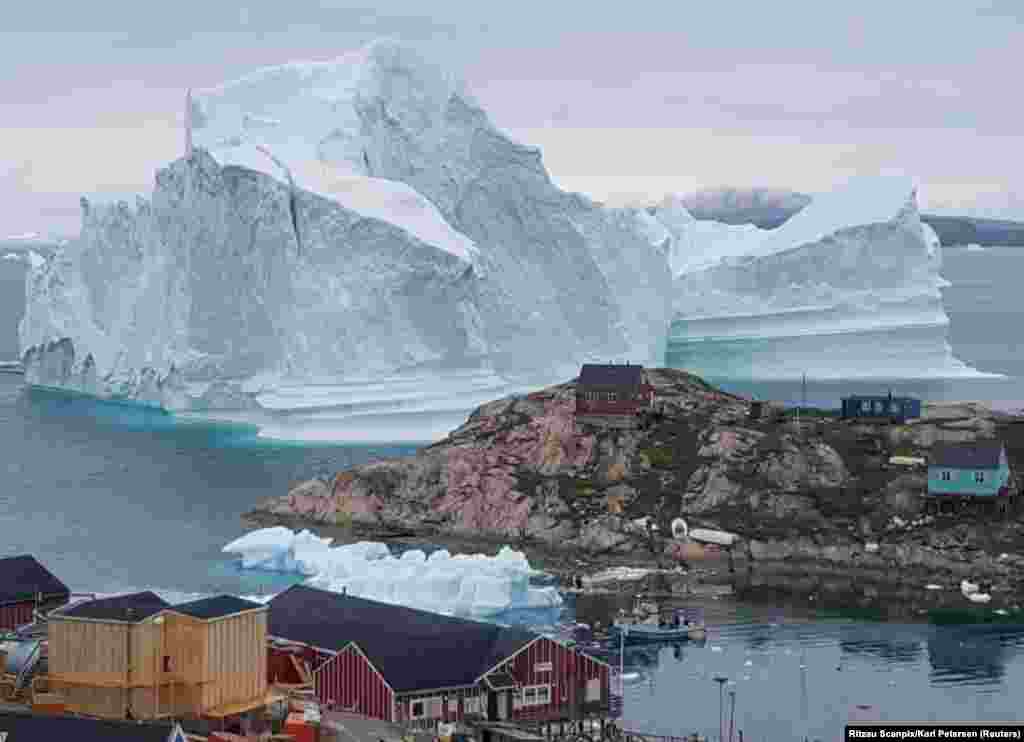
519	468
603	535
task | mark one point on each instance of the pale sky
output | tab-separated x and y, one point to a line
627	101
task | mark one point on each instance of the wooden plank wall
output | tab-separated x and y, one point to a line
15	615
103	668
185	644
349	682
236	664
88	651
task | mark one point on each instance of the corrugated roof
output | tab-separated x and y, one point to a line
412	649
25	726
23	578
215	607
979	455
128	608
595	374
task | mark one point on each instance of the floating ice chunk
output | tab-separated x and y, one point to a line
461	584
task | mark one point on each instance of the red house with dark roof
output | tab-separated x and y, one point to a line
611	394
25	584
418	668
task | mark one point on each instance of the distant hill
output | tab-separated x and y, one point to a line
769	209
962	230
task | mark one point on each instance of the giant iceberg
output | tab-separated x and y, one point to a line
848	287
362	218
359	216
471	585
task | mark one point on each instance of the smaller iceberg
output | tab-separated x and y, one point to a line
470	585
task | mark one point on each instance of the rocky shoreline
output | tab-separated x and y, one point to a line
820	494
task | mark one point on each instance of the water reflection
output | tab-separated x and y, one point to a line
967	655
887	642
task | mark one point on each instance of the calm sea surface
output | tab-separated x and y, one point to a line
117	501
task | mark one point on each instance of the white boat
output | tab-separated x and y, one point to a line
681	531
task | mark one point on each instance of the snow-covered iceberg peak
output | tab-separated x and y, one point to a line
847	287
317	125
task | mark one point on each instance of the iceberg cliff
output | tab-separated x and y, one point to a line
355	217
848	287
363	218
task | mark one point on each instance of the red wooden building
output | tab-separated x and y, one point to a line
25	584
417	668
611	394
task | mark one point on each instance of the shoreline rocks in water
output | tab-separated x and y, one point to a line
822	492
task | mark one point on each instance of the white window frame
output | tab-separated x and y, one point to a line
541	695
453	704
412	708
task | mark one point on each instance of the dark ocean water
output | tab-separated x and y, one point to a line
118	500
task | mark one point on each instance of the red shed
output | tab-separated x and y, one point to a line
418	668
24	585
611	394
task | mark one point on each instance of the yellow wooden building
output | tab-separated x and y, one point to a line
135	656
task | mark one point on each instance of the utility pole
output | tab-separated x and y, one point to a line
732	712
721	680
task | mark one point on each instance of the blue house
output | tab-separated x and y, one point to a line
874	407
969	470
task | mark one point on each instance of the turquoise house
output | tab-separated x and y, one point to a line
974	470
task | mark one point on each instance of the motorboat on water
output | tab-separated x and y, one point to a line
657	629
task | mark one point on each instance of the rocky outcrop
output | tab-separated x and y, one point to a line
519	468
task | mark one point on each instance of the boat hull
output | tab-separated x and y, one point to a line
638	634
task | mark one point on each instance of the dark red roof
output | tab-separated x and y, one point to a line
131	608
23	578
412	649
620	376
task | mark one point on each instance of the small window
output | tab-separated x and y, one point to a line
535	695
417	710
453	705
471	704
865	406
894	408
947	476
979	477
594	689
879	408
167	663
612	396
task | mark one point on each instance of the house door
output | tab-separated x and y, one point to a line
497	705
